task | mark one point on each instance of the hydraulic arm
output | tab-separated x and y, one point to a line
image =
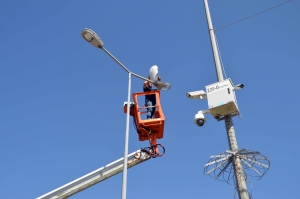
96	176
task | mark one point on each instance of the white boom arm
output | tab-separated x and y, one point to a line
96	176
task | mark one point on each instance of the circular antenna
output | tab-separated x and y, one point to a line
91	37
153	73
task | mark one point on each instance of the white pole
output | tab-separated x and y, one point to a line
92	38
238	169
124	181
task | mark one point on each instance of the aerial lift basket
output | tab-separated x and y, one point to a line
147	127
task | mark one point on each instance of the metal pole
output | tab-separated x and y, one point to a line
107	52
213	43
238	169
124	181
126	69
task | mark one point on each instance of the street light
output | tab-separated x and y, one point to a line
91	37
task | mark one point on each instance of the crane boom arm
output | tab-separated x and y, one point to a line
96	176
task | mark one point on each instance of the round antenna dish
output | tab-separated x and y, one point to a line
153	73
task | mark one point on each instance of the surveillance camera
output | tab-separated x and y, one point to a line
239	86
196	94
199	119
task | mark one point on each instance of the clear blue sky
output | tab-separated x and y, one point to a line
61	99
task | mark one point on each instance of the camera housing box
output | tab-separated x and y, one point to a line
221	98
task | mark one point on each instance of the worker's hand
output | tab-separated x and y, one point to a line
149	84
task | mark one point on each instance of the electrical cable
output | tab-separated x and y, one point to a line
219	53
252	15
151	150
133	114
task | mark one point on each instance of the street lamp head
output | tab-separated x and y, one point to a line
164	86
91	37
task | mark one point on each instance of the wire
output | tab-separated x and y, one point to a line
220	56
251	188
151	151
133	114
223	68
253	15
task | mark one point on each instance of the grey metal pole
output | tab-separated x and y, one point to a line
213	43
124	181
92	38
126	69
238	169
113	57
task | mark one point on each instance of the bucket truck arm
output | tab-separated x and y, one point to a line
96	176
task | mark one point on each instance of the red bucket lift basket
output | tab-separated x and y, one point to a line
148	128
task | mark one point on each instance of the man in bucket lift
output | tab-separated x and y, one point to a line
150	100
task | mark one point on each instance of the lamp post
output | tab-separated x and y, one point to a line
91	37
238	169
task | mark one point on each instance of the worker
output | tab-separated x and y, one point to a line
150	100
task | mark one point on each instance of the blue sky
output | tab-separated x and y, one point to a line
61	98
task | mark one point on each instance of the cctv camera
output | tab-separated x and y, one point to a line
199	119
196	94
239	86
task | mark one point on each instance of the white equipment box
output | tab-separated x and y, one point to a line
221	98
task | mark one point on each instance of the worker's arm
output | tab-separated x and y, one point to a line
145	84
150	83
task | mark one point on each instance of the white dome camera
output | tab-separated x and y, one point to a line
199	119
